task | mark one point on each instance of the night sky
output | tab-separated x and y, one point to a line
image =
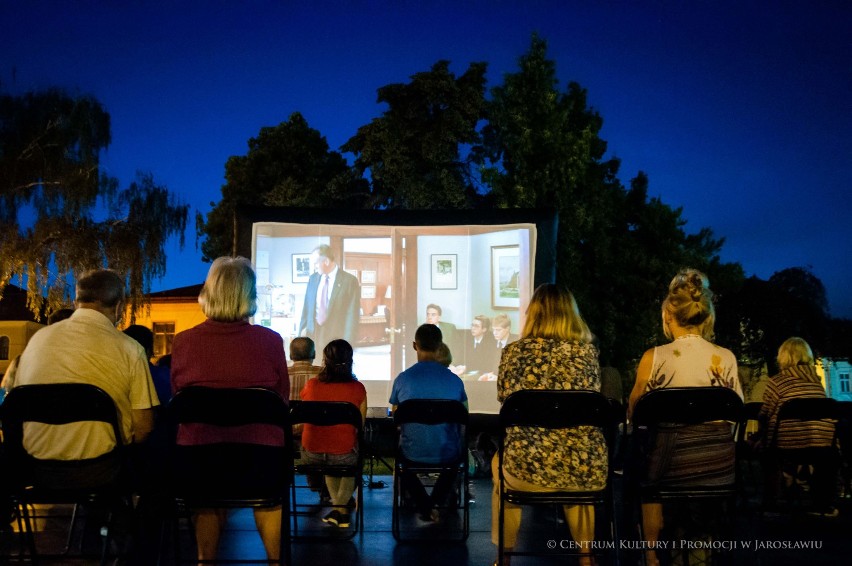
740	112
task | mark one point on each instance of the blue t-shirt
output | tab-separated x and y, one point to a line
429	444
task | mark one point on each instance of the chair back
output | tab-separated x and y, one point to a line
431	412
687	406
557	409
326	413
55	404
229	407
808	409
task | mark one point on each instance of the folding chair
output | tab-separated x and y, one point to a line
432	412
683	406
34	481
330	413
798	412
558	410
199	484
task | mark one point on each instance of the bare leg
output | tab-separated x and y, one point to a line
581	522
208	526
652	523
268	521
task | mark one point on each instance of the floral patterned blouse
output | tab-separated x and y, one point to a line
573	459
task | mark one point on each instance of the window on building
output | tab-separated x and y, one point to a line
4	347
844	382
164	334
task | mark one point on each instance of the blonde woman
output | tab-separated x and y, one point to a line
227	351
555	351
797	379
689	360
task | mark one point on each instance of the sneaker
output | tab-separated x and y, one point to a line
343	520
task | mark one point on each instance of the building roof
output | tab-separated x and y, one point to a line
188	292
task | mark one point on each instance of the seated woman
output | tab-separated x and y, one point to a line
797	379
682	454
226	351
336	444
555	352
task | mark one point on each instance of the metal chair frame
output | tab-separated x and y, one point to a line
60	404
330	413
432	412
233	407
564	409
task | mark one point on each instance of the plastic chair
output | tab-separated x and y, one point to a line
232	407
558	410
432	412
61	404
683	406
330	413
800	411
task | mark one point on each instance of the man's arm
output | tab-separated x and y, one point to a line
143	424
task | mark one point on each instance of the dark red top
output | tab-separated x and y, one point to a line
230	354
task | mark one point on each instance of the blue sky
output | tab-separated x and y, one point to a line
740	112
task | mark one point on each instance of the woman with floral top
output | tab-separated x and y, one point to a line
555	352
705	452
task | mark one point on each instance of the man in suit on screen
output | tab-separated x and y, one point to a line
332	306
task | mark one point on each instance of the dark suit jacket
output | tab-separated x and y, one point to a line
344	311
483	358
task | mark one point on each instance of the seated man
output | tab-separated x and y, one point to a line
449	332
429	444
87	348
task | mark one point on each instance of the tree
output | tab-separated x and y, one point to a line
51	228
414	149
617	248
286	165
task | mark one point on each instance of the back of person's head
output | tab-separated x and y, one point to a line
165	361
793	352
443	355
101	286
484	321
428	338
143	335
690	303
230	290
302	348
59	316
502	320
553	313
337	362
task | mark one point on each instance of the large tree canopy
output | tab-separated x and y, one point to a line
286	165
414	150
52	225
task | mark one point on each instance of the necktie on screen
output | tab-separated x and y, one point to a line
322	312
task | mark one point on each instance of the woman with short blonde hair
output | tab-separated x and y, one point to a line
230	292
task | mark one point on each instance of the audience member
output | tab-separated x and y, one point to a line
87	348
554	352
429	444
335	445
332	301
302	354
227	351
686	454
797	379
159	374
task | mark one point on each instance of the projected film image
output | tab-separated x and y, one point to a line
374	285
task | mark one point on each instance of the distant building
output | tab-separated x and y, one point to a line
172	311
836	374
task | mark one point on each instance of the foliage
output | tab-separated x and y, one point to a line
286	165
50	186
413	150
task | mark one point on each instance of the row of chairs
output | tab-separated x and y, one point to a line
57	404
